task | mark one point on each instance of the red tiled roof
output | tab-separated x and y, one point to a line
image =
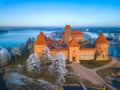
40	39
101	39
76	32
73	43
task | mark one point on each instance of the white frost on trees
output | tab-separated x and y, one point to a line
46	52
16	51
4	56
57	67
34	64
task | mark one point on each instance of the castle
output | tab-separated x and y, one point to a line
70	48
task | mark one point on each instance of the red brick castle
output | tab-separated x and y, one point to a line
73	51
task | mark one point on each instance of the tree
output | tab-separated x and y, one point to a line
34	64
57	67
111	45
16	51
46	53
22	48
8	48
118	49
4	56
45	58
28	41
30	47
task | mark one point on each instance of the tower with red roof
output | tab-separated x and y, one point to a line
73	53
101	45
40	43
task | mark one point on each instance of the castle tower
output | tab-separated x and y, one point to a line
40	44
101	45
73	51
67	34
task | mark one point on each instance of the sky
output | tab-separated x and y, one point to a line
59	12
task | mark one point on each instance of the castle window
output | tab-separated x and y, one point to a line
101	51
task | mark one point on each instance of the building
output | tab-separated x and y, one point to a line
72	50
68	35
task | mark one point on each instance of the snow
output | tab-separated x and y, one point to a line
34	64
57	67
47	52
4	56
14	78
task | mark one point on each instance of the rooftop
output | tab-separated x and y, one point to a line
40	39
101	39
76	32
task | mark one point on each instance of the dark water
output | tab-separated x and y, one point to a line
116	85
75	88
2	82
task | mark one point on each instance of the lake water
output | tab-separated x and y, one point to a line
15	37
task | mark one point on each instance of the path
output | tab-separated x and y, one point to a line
88	74
113	61
91	75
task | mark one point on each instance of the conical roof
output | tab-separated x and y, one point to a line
40	39
101	39
73	43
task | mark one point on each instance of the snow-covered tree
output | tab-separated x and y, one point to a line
45	58
4	56
57	67
46	53
34	64
16	51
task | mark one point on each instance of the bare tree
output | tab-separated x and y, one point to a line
16	51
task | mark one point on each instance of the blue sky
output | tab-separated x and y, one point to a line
59	12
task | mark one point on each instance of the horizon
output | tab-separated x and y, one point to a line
38	13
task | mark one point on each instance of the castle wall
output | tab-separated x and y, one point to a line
102	48
87	54
64	51
38	49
